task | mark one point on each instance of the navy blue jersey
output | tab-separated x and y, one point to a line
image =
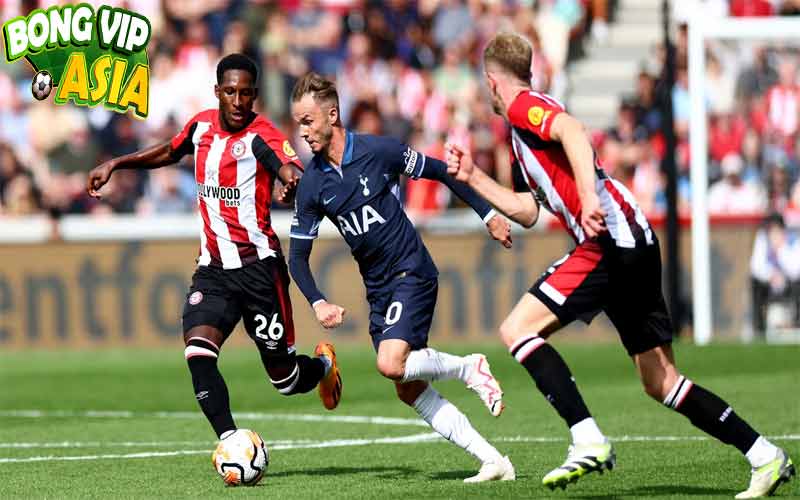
362	200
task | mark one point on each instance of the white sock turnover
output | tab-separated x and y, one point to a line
761	453
453	425
429	365
586	432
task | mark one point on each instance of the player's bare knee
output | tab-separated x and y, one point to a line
658	381
509	332
391	368
208	333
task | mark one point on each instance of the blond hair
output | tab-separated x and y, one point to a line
321	89
510	53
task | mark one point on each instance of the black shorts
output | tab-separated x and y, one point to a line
403	310
257	293
625	283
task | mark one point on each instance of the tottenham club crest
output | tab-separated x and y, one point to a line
238	149
364	180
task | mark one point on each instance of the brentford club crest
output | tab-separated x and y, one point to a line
196	297
237	149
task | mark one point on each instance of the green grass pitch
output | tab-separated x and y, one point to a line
124	424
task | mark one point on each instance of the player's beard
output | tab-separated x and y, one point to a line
325	136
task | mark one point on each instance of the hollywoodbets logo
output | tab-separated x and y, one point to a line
89	57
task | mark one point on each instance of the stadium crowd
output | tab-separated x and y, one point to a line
404	68
408	69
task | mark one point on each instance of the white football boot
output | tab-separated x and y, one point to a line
766	479
484	384
501	470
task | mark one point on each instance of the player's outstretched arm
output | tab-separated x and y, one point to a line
152	157
289	175
328	315
572	135
497	226
519	207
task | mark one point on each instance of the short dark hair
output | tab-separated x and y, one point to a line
510	52
321	89
236	61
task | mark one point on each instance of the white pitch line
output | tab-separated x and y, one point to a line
415	438
306	444
291	442
292	417
131	444
629	439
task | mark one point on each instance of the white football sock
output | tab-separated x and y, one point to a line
453	425
586	432
327	362
761	453
429	365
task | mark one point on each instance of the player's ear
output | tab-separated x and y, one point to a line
216	91
333	115
490	81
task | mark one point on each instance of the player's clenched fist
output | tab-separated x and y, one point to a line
98	177
500	229
329	315
459	162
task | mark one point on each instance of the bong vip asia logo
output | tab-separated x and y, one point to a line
87	57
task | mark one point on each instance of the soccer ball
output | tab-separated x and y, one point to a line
41	85
241	458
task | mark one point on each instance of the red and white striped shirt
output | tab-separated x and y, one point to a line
547	172
235	174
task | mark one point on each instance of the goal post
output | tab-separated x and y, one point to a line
701	28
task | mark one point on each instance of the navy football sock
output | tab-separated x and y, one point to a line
209	386
552	376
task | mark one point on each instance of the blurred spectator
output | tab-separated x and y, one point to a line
164	193
750	8
362	77
790	8
555	21
783	100
646	109
774	271
452	23
79	154
726	135
10	168
778	188
751	154
454	79
425	198
21	197
758	78
720	85
317	33
680	98
599	20
732	195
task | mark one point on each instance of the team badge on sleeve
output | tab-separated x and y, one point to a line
288	150
196	297
237	149
535	115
